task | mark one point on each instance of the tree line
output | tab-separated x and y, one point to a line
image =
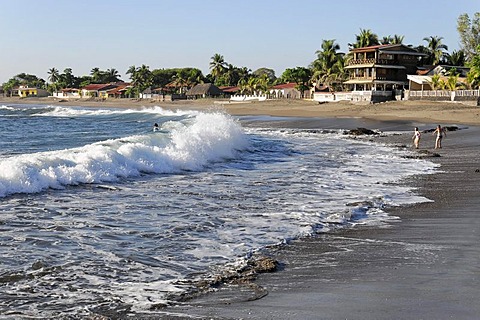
328	68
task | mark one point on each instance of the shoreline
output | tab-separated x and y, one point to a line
425	265
419	111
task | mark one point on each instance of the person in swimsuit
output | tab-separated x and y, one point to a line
416	138
156	127
440	132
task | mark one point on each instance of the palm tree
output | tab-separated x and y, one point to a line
473	76
397	39
263	83
366	38
112	75
437	83
217	65
252	85
131	71
328	54
435	49
387	40
328	67
244	73
181	80
242	86
67	79
54	76
451	83
231	76
95	73
471	81
142	78
457	58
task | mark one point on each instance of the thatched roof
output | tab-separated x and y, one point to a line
204	89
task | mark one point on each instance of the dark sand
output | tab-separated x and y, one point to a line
424	266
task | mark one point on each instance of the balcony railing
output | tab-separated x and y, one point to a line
384	78
372	61
358	77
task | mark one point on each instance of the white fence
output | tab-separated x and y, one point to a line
66	95
248	98
467	93
370	96
444	94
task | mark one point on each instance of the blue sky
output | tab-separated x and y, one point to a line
278	34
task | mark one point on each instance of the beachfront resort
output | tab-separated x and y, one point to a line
372	71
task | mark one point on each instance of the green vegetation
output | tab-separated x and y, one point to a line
365	39
469	31
473	77
327	70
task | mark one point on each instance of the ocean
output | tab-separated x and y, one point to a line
99	213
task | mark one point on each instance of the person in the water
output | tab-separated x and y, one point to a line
416	138
440	132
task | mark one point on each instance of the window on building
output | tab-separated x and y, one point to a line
382	72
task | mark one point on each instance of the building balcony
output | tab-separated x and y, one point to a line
372	61
378	77
358	77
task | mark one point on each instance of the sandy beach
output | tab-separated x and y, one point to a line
426	265
418	111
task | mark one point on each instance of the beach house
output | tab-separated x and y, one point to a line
203	90
380	72
67	93
98	90
120	91
376	73
26	91
287	90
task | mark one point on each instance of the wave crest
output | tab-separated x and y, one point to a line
190	145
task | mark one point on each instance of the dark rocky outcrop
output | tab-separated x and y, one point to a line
361	131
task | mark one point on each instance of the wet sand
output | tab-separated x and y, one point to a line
424	266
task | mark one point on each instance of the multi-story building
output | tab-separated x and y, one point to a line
382	67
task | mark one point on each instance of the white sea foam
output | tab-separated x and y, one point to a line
56	111
191	145
59	111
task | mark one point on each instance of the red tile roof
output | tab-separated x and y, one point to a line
423	72
104	86
95	86
229	89
289	85
118	90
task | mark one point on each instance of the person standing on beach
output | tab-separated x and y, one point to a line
440	132
416	138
